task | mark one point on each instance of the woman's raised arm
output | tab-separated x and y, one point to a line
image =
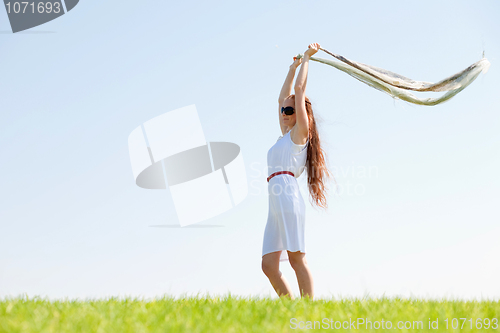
300	83
300	92
286	90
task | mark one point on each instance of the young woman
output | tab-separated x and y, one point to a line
297	149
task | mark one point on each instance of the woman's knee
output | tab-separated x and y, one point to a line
297	260
269	265
269	269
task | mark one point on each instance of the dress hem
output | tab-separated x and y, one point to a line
303	251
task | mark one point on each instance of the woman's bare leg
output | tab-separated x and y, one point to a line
304	277
270	267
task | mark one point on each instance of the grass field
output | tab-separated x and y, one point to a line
229	313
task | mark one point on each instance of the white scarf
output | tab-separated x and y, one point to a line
397	85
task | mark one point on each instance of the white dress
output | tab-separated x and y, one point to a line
285	228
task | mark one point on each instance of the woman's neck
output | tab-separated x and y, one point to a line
288	129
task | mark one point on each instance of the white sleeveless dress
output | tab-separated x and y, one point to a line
285	228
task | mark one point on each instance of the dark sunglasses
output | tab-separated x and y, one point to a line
288	110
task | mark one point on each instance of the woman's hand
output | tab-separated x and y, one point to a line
296	63
312	49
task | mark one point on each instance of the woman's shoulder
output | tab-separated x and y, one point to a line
296	144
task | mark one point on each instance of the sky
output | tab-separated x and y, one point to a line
416	211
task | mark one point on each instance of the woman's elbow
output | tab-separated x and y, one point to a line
299	88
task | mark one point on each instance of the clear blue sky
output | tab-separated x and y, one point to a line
74	224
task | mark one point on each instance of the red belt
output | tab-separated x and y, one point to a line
279	173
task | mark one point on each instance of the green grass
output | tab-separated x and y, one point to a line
230	313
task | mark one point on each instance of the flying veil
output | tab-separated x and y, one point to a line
397	85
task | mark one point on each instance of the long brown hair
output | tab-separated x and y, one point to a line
316	168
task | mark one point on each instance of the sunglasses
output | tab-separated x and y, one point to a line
288	110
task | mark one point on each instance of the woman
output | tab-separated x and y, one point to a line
297	149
